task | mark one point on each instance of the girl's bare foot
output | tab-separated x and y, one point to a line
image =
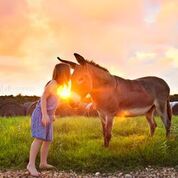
33	171
46	166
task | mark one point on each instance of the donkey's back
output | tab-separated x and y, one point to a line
145	88
144	96
156	86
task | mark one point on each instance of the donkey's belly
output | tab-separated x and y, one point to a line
134	111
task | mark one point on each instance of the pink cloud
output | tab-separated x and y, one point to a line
110	33
14	25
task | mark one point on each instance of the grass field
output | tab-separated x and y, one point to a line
78	144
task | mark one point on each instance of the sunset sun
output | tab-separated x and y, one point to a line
64	91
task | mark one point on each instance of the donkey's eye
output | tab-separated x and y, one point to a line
80	80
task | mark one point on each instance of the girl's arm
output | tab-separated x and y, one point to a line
49	89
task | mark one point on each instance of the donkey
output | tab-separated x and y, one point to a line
116	96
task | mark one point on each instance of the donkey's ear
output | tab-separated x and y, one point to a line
72	64
80	59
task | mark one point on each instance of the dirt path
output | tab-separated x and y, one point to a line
146	173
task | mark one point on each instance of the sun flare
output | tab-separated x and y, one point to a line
64	91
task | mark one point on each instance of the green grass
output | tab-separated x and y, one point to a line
78	144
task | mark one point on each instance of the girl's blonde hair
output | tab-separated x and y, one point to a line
61	73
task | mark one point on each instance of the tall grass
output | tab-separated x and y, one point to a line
78	144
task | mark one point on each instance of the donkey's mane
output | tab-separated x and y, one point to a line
96	65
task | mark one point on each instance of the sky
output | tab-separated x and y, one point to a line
131	38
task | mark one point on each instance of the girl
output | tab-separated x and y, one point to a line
42	118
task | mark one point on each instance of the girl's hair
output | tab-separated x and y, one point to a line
61	73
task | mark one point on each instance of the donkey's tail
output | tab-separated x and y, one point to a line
169	110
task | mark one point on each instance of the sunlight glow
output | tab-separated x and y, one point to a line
64	91
123	114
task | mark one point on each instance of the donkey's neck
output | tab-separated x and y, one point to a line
102	81
99	76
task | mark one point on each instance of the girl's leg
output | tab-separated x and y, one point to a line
44	155
35	146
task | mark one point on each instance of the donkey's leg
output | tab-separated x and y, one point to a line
108	127
103	122
162	109
169	116
151	120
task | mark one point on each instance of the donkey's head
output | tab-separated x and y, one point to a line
87	76
81	78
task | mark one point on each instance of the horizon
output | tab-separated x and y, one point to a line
131	39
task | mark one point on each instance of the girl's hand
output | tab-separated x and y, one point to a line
54	117
45	120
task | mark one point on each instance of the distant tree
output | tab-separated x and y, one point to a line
174	97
